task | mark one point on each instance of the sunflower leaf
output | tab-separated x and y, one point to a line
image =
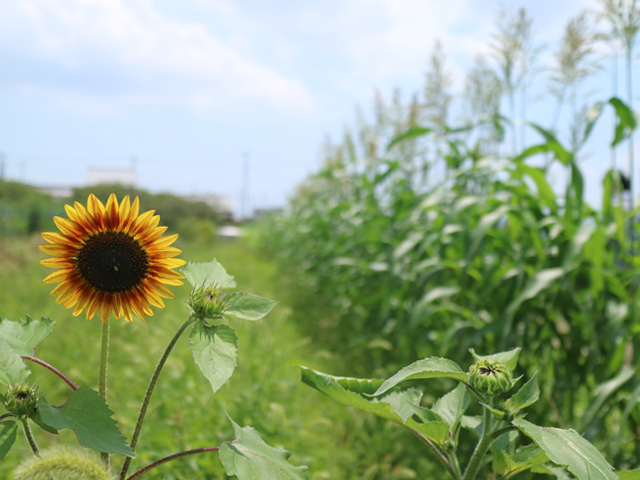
214	349
247	306
432	367
8	432
397	406
12	368
25	335
87	414
208	274
248	457
568	448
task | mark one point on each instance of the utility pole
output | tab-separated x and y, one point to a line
245	186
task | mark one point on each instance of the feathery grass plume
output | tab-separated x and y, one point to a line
63	462
515	51
482	93
437	88
573	62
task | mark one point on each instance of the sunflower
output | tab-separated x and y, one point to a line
111	259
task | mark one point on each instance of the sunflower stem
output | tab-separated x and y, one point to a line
29	435
102	383
150	388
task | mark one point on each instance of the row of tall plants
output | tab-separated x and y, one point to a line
426	239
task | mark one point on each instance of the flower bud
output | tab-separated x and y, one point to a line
490	377
21	399
208	302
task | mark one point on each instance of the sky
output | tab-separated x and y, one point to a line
185	90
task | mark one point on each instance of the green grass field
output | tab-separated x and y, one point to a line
264	392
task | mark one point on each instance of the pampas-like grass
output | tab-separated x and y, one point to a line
63	462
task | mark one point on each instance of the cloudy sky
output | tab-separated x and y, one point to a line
185	88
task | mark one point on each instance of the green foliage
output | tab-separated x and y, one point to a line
8	434
441	423
215	350
87	414
12	368
25	210
25	335
488	256
250	458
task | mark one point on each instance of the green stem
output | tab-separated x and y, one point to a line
453	460
437	451
481	449
150	388
27	433
102	380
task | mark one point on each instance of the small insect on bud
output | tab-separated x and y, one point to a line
21	399
490	378
208	302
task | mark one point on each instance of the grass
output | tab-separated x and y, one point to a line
264	392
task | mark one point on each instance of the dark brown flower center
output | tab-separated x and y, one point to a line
112	262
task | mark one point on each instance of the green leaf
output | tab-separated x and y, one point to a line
37	419
397	406
559	472
545	191
626	120
432	367
86	413
8	432
508	358
248	306
568	448
629	475
523	459
12	368
208	274
551	145
25	335
527	395
602	392
451	406
215	350
472	423
541	281
248	457
413	132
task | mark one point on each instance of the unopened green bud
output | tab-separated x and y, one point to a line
21	399
208	302
490	378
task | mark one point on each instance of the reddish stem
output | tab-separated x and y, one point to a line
52	368
173	457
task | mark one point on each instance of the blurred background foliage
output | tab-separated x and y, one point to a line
424	238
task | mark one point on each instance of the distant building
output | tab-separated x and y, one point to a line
124	176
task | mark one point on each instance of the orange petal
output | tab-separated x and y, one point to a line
112	212
164	241
57	262
59	276
67	227
58	250
54	238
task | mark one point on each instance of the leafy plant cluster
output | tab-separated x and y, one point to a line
488	385
24	210
490	256
214	347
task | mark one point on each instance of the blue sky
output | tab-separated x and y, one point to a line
187	87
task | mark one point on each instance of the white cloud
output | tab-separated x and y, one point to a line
106	50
